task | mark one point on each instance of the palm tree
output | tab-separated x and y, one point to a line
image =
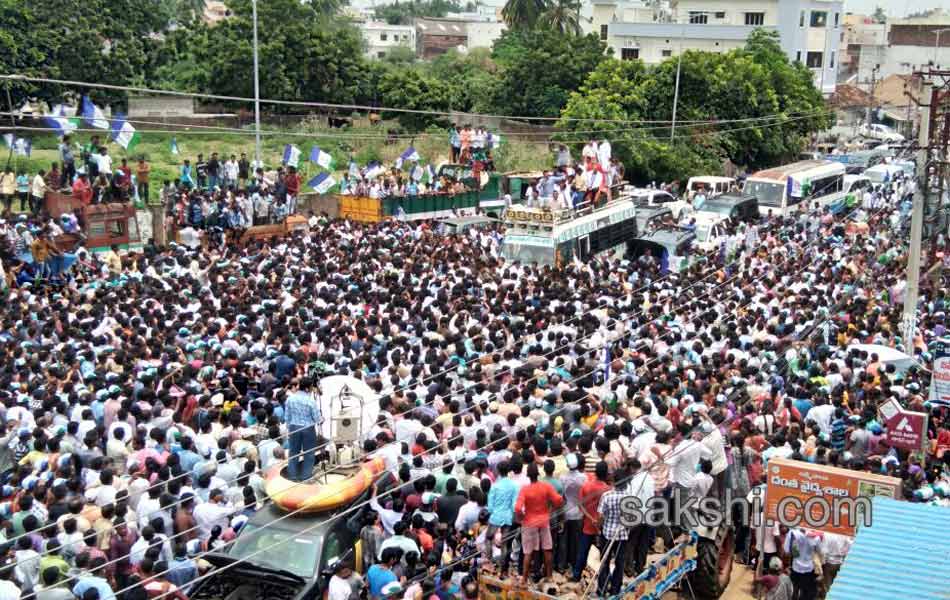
563	16
523	14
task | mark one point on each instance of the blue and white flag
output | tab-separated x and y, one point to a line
322	183
173	146
23	147
429	175
291	155
401	213
123	133
321	158
417	173
354	170
607	363
409	154
92	115
59	122
374	170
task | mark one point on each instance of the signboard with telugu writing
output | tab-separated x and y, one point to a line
821	497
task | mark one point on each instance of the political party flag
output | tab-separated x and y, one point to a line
123	133
354	170
291	155
59	122
494	140
400	213
374	170
93	115
607	364
23	147
321	158
173	146
409	154
429	175
322	183
417	173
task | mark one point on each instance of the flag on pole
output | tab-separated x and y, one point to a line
322	183
93	115
429	175
291	155
59	122
173	146
607	364
123	133
409	154
23	147
321	158
417	173
374	170
354	170
401	213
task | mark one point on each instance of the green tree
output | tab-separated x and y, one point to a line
540	68
403	13
410	89
750	106
306	53
563	16
879	16
96	40
523	14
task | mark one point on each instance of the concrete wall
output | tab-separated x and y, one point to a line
161	106
652	50
483	34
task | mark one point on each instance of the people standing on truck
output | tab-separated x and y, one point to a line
142	172
7	188
68	159
38	192
23	190
244	171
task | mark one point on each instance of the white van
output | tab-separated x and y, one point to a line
712	186
881	174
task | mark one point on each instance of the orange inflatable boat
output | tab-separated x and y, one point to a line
325	491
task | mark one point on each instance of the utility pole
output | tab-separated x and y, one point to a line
676	92
867	116
909	321
257	94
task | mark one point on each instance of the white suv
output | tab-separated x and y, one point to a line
880	132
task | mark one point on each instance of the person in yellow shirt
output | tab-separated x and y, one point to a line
113	261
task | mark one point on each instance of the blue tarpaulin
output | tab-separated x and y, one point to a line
902	554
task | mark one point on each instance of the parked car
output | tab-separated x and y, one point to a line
710	185
736	207
881	132
649	198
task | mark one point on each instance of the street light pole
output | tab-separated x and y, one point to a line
911	294
676	91
257	94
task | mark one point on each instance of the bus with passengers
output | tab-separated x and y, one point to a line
791	188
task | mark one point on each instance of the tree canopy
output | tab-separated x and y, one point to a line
766	107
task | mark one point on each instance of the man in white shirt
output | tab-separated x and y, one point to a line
801	546
211	513
643	488
684	459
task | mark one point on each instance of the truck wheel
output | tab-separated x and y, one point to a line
714	564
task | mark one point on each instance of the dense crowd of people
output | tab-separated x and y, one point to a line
144	395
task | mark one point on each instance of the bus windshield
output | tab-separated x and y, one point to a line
768	193
527	253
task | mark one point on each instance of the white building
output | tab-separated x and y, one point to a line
382	37
810	30
916	43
